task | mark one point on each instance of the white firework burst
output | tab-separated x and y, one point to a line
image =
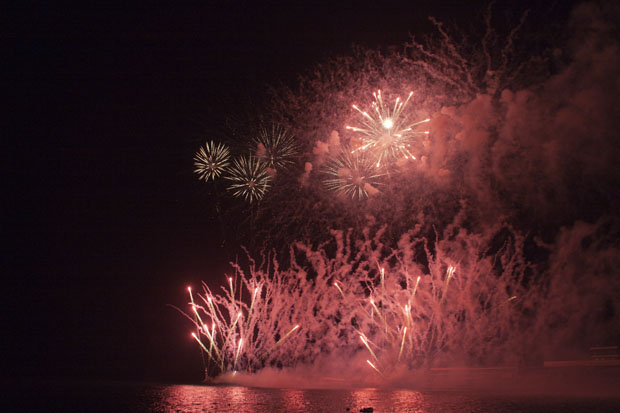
211	160
275	146
352	174
386	132
249	178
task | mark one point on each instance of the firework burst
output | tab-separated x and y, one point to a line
275	146
211	160
352	174
249	178
393	317
386	132
233	335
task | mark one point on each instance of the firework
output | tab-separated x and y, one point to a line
339	289
276	147
402	343
249	178
417	281
287	334
449	275
211	160
243	342
201	345
352	174
471	317
387	316
386	132
237	354
365	341
375	368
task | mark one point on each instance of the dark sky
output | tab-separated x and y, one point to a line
106	222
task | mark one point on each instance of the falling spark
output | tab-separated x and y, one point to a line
407	311
232	328
372	302
213	339
282	339
198	315
373	366
248	178
191	297
386	131
210	304
368	347
252	303
211	160
450	274
339	289
210	336
353	175
416	285
201	345
287	334
238	350
276	147
402	343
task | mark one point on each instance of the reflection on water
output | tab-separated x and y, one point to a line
389	400
136	397
244	399
365	397
188	398
294	401
238	394
413	399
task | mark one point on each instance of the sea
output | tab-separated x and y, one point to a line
89	396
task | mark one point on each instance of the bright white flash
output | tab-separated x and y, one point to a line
386	132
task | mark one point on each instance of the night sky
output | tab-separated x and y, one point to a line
105	223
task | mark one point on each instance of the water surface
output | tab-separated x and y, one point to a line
137	397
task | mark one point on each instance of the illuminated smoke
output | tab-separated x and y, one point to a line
466	305
518	144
